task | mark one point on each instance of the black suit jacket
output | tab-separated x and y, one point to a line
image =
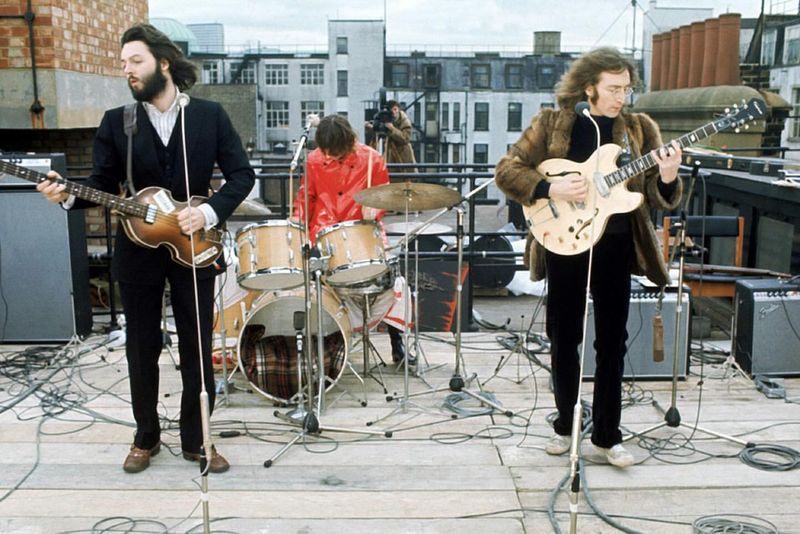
210	139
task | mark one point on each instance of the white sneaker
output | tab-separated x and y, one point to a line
558	445
618	456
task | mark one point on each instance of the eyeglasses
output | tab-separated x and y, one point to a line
617	92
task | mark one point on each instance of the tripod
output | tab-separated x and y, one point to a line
672	416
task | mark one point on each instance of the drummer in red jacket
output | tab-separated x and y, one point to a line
337	169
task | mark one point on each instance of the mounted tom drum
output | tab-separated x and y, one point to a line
270	255
356	252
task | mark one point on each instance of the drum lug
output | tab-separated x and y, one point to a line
344	234
332	249
349	256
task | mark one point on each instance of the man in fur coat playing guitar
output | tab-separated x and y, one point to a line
621	239
154	246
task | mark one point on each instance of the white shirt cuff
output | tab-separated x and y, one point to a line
67	204
211	216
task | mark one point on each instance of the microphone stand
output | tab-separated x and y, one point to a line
308	416
672	416
577	412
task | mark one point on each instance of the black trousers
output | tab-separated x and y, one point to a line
142	306
566	296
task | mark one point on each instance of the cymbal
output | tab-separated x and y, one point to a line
420	196
251	207
411	228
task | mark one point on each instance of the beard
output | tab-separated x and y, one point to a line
151	86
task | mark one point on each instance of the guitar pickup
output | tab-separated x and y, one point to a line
150	216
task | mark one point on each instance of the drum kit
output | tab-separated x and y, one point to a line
276	324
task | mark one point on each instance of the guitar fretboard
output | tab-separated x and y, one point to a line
647	161
126	206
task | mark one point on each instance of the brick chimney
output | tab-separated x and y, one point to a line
728	50
696	53
710	48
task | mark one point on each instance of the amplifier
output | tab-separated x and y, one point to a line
639	363
767	327
44	267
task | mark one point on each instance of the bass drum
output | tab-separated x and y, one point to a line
268	347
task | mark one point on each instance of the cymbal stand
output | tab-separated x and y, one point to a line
308	417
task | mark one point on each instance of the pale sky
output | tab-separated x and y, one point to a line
503	23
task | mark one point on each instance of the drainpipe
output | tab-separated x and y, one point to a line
36	109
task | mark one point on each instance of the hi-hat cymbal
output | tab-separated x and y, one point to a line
417	196
413	226
251	207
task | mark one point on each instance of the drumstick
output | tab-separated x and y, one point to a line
369	170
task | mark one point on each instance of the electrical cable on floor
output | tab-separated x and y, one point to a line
764	457
731	523
452	400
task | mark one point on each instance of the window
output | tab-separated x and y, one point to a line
210	73
514	116
399	75
456	153
796	112
277	114
456	116
547	105
791	55
312	74
341	83
481	116
311	106
431	110
546	75
431	76
276	74
768	47
431	153
480	153
341	45
246	75
445	122
480	74
444	153
514	76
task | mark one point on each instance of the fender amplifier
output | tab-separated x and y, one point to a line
767	327
639	361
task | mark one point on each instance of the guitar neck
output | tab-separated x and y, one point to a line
125	206
647	161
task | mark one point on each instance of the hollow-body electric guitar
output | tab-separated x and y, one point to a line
566	227
149	218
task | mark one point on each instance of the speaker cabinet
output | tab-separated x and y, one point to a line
438	283
767	327
639	363
44	271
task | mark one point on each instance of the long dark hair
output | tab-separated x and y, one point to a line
335	136
586	71
182	70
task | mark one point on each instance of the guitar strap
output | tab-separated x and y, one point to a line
131	128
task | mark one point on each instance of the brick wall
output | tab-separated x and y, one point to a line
74	35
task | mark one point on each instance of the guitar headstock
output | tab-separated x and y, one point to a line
739	117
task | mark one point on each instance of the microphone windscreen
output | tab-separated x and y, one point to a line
582	107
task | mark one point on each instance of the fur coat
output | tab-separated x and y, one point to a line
547	137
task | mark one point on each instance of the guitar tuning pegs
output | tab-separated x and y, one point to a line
727	110
746	126
737	130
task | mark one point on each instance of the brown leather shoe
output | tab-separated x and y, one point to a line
139	459
218	463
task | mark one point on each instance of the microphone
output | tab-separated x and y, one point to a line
183	100
582	108
658	338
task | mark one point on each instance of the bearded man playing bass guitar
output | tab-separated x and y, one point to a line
157	72
602	78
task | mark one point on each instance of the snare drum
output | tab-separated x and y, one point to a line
270	255
268	348
356	252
